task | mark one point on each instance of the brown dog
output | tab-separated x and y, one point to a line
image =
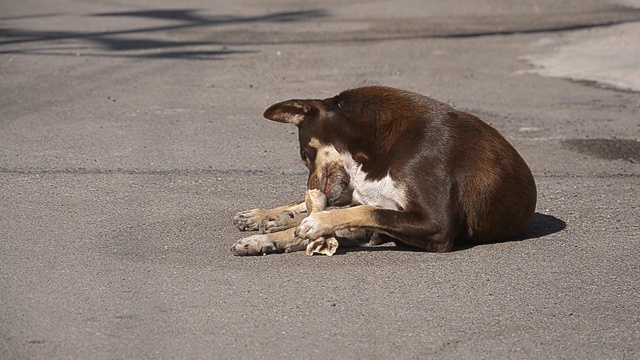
411	170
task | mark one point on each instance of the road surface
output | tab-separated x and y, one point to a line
131	133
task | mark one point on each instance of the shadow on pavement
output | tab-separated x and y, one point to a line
610	149
119	41
543	225
122	43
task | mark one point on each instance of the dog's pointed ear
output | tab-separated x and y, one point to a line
291	111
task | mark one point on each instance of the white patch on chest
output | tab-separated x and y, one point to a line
384	193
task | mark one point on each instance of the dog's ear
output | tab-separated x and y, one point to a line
291	111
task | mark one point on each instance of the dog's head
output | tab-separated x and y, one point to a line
321	146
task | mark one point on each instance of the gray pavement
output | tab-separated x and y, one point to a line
605	55
131	132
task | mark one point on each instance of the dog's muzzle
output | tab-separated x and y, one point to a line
333	181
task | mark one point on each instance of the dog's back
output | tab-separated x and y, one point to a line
450	157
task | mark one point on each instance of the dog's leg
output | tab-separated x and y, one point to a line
269	221
286	241
410	228
262	244
283	241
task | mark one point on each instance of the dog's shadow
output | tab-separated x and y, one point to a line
541	225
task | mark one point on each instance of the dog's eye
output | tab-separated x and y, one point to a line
308	156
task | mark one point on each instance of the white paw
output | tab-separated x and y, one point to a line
254	245
314	226
283	221
248	220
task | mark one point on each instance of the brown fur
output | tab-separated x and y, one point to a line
463	182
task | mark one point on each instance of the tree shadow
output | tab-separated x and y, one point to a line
122	42
144	42
191	17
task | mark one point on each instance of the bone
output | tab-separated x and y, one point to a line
316	201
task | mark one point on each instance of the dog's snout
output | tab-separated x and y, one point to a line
333	181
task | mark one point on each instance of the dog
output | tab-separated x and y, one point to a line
396	166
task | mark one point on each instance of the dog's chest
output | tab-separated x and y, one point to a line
385	193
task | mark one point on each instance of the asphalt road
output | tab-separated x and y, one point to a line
131	133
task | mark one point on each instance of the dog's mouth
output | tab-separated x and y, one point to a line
333	181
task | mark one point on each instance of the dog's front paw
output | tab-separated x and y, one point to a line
249	220
254	245
314	226
283	221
